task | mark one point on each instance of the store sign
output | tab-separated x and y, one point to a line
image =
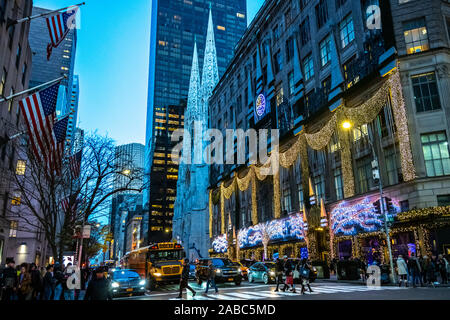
349	218
262	107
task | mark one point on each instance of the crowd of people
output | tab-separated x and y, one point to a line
30	282
428	271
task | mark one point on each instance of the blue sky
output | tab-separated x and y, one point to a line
112	61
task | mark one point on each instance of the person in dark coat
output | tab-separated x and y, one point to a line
184	281
9	281
211	277
49	283
304	265
36	282
414	269
279	269
99	287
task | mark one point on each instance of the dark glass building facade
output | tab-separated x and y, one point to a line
175	26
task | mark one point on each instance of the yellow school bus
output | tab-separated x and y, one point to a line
159	263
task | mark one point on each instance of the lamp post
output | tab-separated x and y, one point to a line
347	125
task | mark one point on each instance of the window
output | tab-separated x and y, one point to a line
392	165
287	200
346	30
416	36
21	167
13	226
364	174
359	132
300	195
320	187
338	184
436	154
404	205
426	95
16	198
321	13
24	73
18	54
325	50
291	83
443	200
289	49
308	67
279	62
304	31
326	86
279	94
276	34
340	3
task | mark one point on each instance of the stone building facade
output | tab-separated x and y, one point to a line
307	68
15	70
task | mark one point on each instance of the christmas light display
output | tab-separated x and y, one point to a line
353	218
220	244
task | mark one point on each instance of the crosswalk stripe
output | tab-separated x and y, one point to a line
226	297
264	294
243	295
326	290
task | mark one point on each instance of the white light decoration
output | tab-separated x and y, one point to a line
351	218
220	244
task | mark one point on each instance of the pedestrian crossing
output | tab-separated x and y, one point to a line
270	294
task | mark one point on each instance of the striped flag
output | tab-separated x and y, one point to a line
59	139
69	205
58	27
39	111
75	164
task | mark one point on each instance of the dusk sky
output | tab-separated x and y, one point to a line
112	61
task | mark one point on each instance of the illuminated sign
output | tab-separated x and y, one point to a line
262	107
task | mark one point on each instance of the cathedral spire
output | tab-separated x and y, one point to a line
210	76
194	89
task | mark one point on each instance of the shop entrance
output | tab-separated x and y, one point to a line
440	241
371	249
345	249
403	243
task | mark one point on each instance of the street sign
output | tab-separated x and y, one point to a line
86	232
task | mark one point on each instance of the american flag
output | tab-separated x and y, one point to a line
39	111
69	205
75	164
58	27
59	139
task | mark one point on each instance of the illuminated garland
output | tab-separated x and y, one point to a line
211	207
277	195
346	161
422	213
399	110
288	158
320	139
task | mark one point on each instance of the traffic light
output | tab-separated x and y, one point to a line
389	206
377	207
375	172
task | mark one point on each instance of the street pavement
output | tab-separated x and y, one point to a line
321	291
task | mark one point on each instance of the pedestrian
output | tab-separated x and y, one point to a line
296	274
9	281
287	273
211	277
441	267
24	287
184	281
59	277
279	268
69	294
305	270
36	282
431	270
99	287
49	283
415	269
402	270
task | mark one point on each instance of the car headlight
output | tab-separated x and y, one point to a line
314	269
157	274
142	282
239	270
272	273
218	271
115	285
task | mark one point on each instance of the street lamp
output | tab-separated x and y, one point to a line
347	125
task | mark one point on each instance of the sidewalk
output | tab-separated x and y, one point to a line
333	279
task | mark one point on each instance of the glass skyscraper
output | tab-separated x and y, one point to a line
175	26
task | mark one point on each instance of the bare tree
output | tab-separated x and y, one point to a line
42	190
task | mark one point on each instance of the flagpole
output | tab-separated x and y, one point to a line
32	89
13	22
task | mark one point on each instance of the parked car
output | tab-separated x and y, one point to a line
262	271
127	282
226	271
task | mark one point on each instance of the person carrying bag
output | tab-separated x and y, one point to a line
305	269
